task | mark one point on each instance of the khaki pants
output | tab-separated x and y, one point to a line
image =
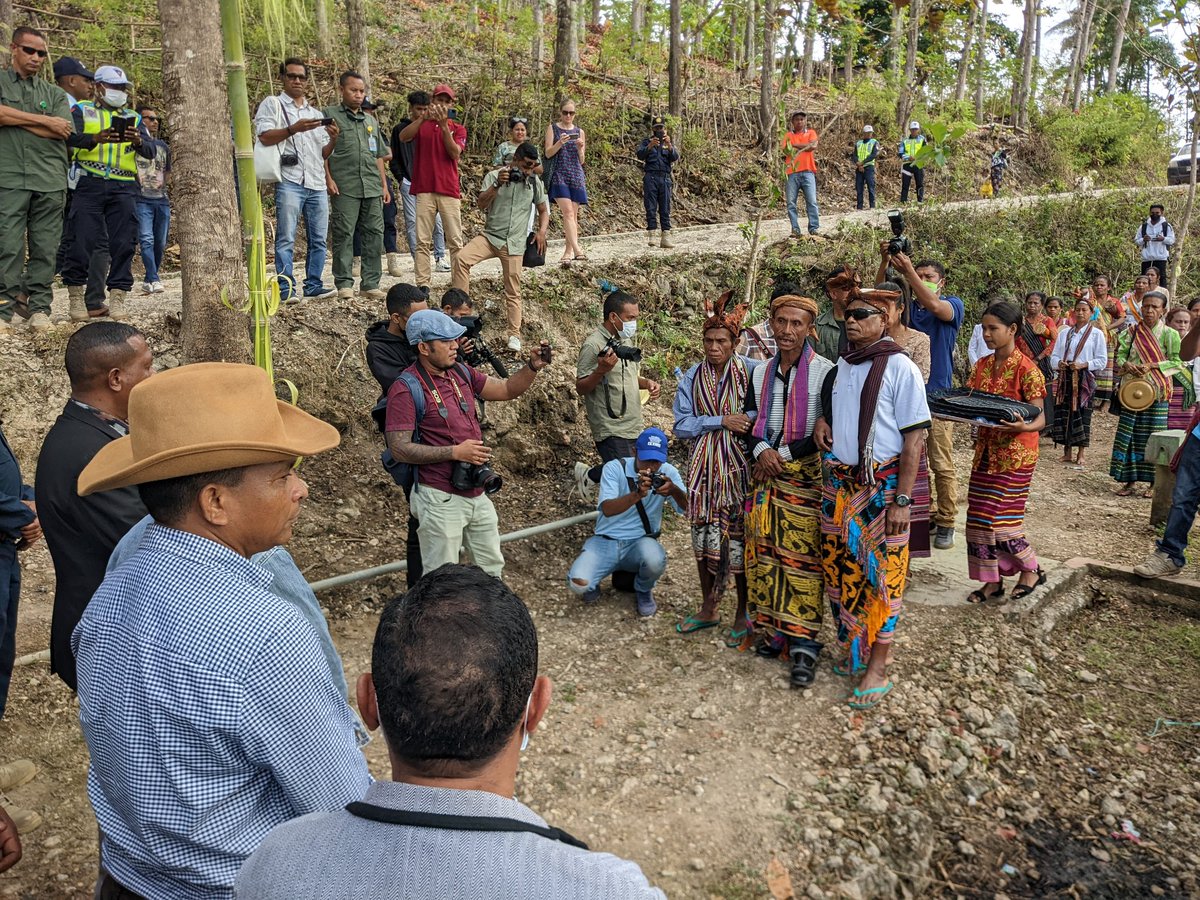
945	478
428	207
476	251
450	521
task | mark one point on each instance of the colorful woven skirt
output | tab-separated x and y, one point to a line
865	568
1129	463
1104	378
996	542
1178	416
783	550
1072	427
918	532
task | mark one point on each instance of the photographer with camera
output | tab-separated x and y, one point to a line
508	196
433	427
472	348
633	491
940	317
659	154
609	379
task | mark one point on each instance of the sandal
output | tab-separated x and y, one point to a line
978	596
1126	491
770	646
843	669
691	625
737	638
857	702
1024	590
582	257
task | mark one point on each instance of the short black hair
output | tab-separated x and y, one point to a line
347	75
783	288
418	98
1050	300
1154	206
142	107
26	30
454	662
1193	302
933	264
401	297
525	150
169	500
1156	295
1108	280
292	61
1005	311
95	349
616	302
456	299
1041	297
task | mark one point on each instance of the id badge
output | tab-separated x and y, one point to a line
372	144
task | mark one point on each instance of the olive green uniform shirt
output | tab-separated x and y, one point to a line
352	162
29	162
829	335
614	408
507	225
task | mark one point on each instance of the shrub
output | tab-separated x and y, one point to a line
1119	131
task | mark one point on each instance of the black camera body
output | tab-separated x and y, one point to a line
482	353
628	354
289	159
516	175
468	477
657	480
899	242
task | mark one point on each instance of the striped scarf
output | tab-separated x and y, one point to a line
1145	342
795	415
719	474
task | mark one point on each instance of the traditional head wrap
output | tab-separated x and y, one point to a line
877	298
808	304
724	313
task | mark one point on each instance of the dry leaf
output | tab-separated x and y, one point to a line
779	882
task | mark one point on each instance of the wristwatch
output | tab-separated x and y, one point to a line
903	500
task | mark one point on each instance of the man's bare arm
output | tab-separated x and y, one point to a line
401	445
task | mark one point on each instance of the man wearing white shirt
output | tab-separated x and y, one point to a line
977	349
1155	237
305	141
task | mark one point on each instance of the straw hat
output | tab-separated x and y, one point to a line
202	418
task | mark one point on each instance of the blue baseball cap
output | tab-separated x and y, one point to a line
432	325
69	65
651	445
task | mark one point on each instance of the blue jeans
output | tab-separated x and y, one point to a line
290	201
807	182
602	556
1184	501
409	202
154	217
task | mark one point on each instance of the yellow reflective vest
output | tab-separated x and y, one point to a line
863	149
112	161
911	145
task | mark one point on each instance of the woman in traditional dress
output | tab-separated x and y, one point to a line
1156	283
874	440
1183	394
1036	339
1132	300
1080	353
783	509
1005	459
1054	309
709	411
1149	351
566	145
1111	315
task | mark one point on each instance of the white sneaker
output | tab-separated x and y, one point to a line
443	265
39	321
514	344
583	484
1157	565
158	287
147	287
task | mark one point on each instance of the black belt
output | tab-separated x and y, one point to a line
457	823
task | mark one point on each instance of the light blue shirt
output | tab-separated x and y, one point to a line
688	425
614	482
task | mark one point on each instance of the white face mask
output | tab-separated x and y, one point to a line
115	99
628	329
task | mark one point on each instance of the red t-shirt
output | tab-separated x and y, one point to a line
434	172
458	426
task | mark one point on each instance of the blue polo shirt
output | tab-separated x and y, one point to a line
614	483
942	338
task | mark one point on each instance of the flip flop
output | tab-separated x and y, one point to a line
843	669
856	701
691	625
737	637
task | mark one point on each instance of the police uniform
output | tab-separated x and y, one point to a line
908	172
358	204
865	152
33	189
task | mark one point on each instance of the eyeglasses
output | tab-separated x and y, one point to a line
567	112
149	118
859	313
33	51
296	76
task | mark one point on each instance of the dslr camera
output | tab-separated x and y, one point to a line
628	354
657	480
516	175
899	242
289	159
482	353
468	477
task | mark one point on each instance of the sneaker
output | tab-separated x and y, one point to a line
345	293
292	299
443	265
16	773
944	537
323	293
514	344
26	820
584	484
646	607
158	287
147	287
590	597
39	322
797	233
1157	565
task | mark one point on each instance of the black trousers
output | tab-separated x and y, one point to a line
656	194
412	546
1160	264
97	267
918	175
865	179
10	597
102	204
609	449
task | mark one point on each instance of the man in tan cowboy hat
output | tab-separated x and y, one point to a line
208	708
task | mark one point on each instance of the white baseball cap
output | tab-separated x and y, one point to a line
911	125
112	75
867	129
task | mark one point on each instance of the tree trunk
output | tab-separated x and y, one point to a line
766	92
1025	96
1037	54
981	60
1076	26
960	86
734	49
751	32
596	14
849	46
675	61
202	191
1114	61
356	16
904	103
897	38
637	20
562	49
1086	35
573	44
322	16
1181	229
473	17
810	39
538	50
6	30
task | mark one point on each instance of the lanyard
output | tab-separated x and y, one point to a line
437	397
457	823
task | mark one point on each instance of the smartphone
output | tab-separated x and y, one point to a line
122	124
452	113
328	120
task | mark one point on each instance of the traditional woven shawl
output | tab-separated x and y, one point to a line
719	474
1145	342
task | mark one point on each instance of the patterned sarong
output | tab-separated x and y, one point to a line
783	550
865	568
720	545
1072	419
1183	398
996	543
1128	462
918	531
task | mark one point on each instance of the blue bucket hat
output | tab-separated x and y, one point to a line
432	325
652	445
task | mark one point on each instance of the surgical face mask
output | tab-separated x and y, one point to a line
115	99
525	724
628	329
932	285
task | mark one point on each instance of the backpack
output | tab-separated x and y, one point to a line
405	474
1165	226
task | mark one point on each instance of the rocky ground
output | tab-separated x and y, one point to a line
1002	765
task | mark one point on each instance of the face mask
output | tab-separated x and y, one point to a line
525	725
115	99
1154	217
932	285
628	329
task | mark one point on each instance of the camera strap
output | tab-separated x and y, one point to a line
417	819
641	509
287	123
437	396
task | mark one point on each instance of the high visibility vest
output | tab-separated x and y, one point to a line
865	149
912	145
112	161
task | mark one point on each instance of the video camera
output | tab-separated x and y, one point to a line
899	242
481	353
628	354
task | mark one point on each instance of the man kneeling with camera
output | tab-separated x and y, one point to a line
633	492
433	427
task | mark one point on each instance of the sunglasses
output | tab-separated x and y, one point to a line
517	120
567	112
859	313
149	118
32	51
294	76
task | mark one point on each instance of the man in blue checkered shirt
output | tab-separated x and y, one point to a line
208	707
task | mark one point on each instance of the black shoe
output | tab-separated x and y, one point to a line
804	667
769	646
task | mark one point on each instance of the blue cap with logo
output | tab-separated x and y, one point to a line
651	445
69	65
432	325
